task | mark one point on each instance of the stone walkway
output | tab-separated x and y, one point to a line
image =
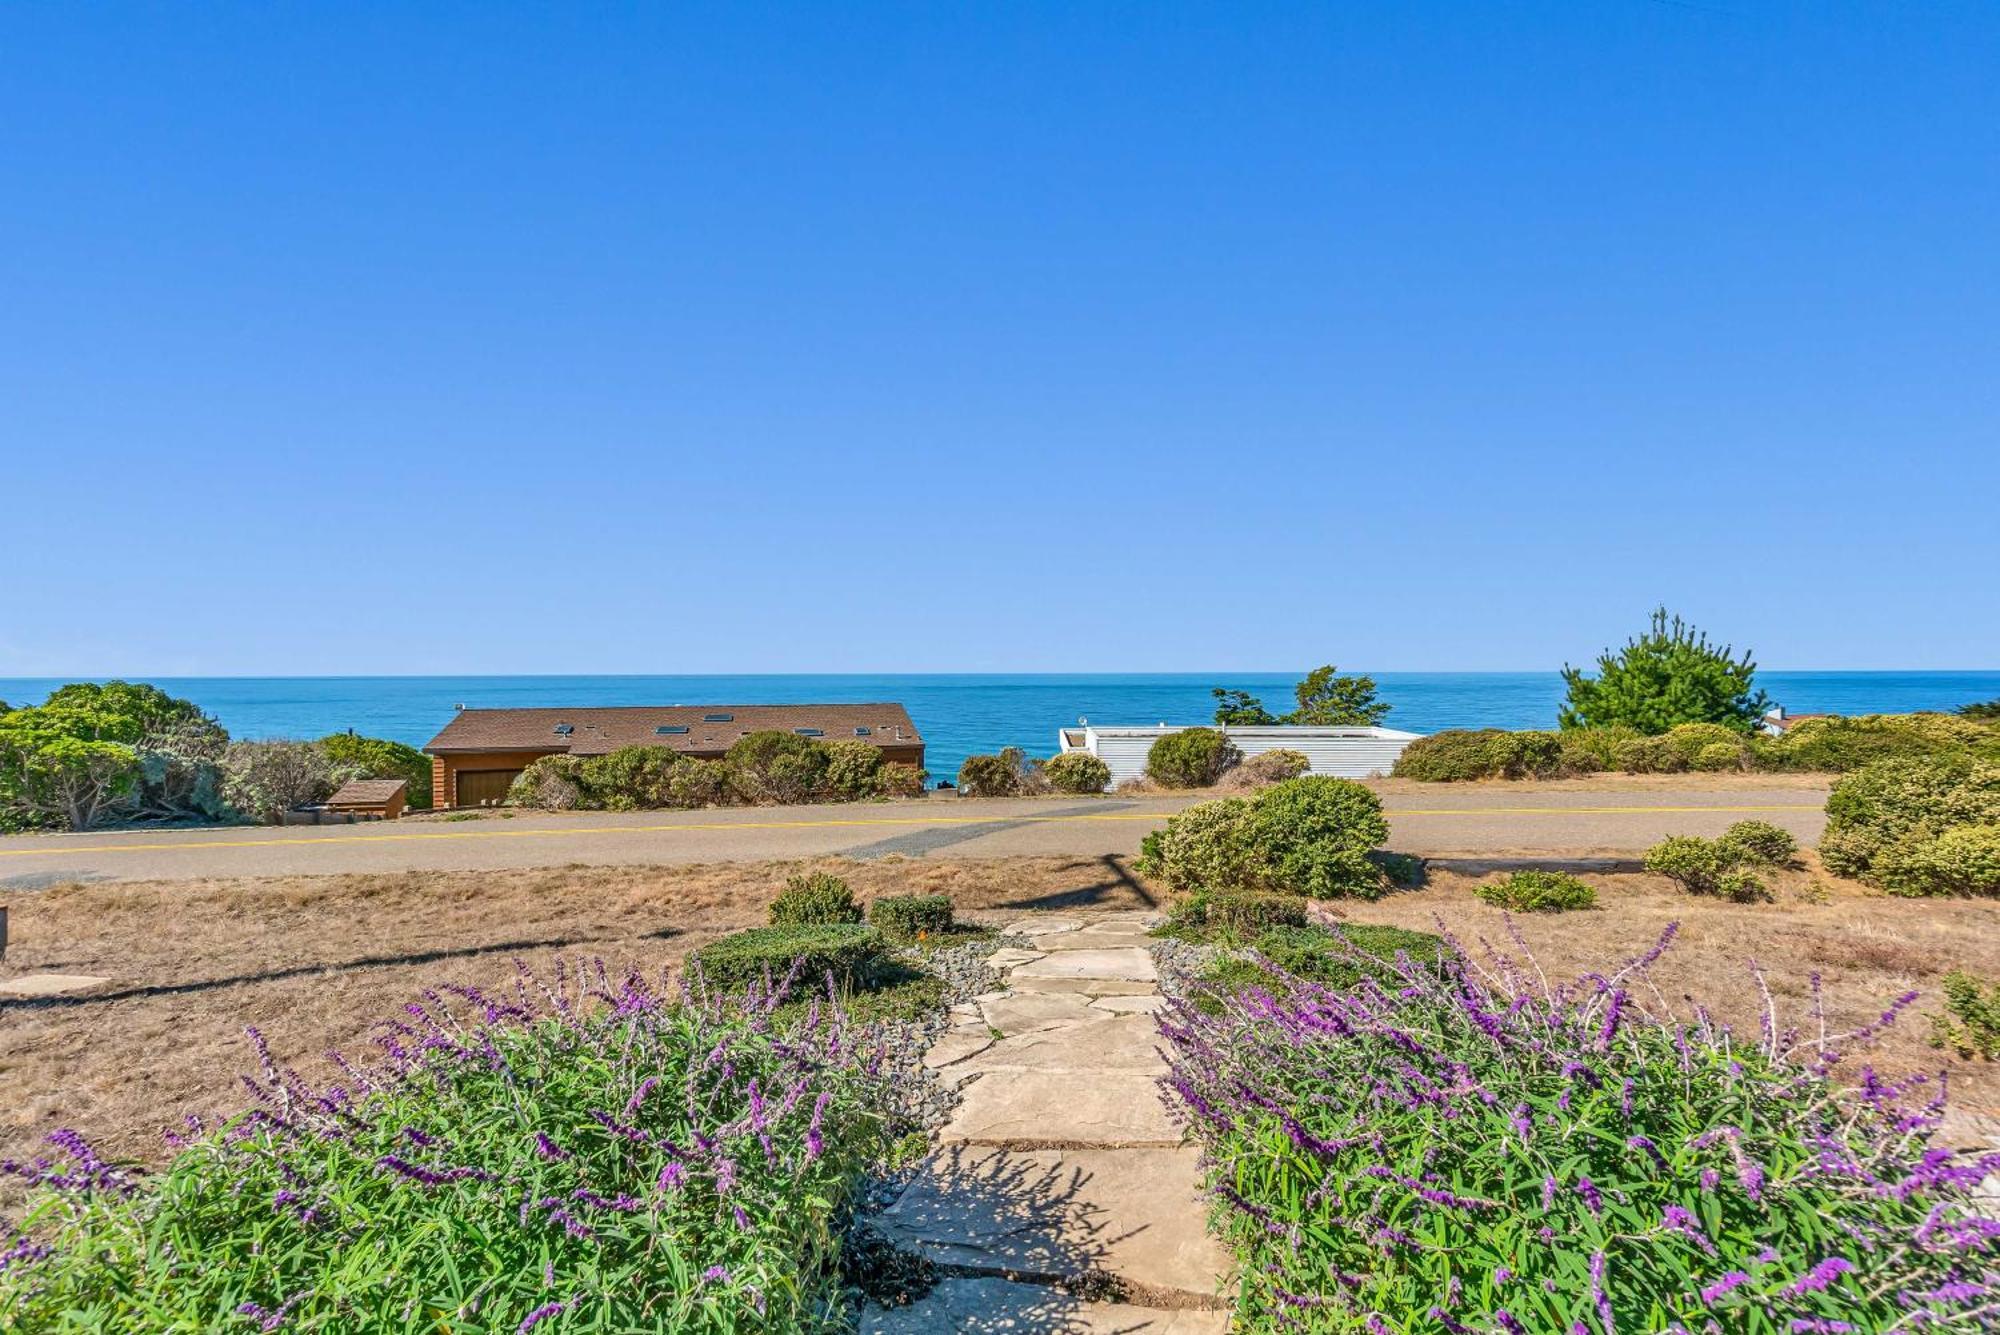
1061	1174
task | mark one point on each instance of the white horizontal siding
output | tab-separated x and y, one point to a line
1348	753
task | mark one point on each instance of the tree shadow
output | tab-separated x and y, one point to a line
416	957
1014	1234
1117	878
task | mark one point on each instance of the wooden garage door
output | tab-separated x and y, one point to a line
484	787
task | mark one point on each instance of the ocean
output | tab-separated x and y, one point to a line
964	713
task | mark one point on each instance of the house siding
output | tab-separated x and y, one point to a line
1349	753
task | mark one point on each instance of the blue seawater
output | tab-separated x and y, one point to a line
963	713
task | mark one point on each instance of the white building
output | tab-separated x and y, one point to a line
1348	753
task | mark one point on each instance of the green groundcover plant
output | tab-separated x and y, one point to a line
1538	891
1458	1148
580	1155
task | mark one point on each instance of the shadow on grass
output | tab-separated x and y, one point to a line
416	957
1573	865
1116	879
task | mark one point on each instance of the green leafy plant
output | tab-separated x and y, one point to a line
1984	709
575	1155
907	917
1456	755
1326	699
814	899
550	783
1961	860
1759	843
1882	817
1279	958
1077	772
853	770
1000	775
268	778
1311	836
379	758
1719	867
1536	891
1970	1022
777	766
849	953
898	780
1842	745
1719	757
1240	709
109	751
632	778
1222	915
1650	755
1439	1148
1205	847
1190	758
1269	767
1667	676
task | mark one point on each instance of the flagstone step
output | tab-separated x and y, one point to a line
1035	1109
1131	1215
1132	964
990	1306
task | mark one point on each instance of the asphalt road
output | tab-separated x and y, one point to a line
1492	822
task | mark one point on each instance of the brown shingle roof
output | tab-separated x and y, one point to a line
596	731
367	792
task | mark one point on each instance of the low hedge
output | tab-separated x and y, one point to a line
1236	912
1077	772
1309	836
814	900
850	952
1190	758
1917	827
1538	891
906	917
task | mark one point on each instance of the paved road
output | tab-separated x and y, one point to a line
1474	822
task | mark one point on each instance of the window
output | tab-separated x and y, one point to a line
718	718
864	732
668	730
565	729
810	732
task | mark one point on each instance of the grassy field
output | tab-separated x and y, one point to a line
314	962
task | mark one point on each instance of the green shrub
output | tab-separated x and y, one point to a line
699	783
1691	740
850	952
1190	758
549	783
1077	772
901	781
1705	867
1538	892
530	1165
1759	843
1841	745
993	776
1650	755
632	778
1592	750
1205	847
378	758
1269	767
265	779
906	917
1402	871
1233	913
1970	1024
1310	836
1528	755
1717	757
1283	956
1456	755
814	900
1963	860
853	770
1313	835
1901	805
778	766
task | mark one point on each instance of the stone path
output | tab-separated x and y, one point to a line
1061	1174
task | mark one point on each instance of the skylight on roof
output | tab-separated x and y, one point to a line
565	729
810	732
864	732
718	718
668	729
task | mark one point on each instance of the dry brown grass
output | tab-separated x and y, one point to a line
315	962
1867	947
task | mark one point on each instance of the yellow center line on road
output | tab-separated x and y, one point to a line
286	841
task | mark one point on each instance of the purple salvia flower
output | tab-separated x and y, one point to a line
1821	1275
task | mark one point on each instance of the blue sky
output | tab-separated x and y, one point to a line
681	338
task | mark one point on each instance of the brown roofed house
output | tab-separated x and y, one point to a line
370	799
481	751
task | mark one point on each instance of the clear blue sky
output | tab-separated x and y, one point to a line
678	338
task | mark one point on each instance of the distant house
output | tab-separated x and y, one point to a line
482	751
370	799
1776	722
1352	753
